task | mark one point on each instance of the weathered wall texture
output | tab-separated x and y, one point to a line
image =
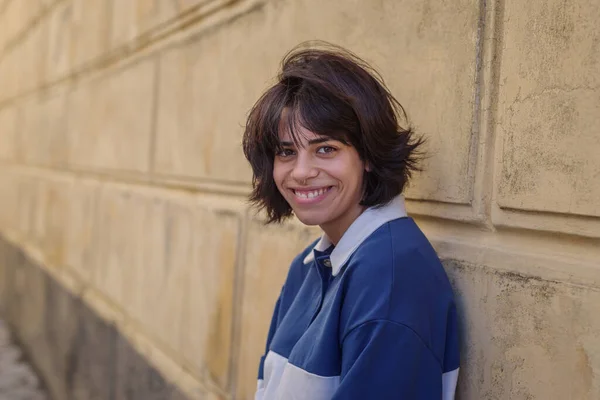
122	184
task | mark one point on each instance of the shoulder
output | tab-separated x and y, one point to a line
398	249
396	275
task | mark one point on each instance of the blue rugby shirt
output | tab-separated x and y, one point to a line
371	318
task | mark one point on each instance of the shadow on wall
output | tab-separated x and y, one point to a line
77	354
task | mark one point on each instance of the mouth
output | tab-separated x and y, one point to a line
311	195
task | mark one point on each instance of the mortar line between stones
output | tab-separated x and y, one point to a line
109	175
496	36
476	122
483	141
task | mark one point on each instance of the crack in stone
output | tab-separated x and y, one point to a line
550	90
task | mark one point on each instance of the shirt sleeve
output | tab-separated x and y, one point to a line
272	328
386	360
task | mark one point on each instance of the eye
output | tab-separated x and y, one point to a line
285	152
326	150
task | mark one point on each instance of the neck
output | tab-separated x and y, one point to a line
335	229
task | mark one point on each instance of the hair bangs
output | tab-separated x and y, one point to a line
317	113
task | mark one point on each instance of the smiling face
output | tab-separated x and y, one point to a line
321	179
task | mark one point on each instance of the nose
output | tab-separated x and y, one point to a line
304	169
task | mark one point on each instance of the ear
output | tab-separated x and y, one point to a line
367	166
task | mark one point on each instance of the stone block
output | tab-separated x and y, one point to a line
119	217
57	204
205	94
134	18
9	75
83	123
82	232
169	261
158	286
43	129
270	250
90	25
42	211
3	28
9	145
170	264
549	107
28	210
524	337
110	120
60	41
208	314
9	201
32	209
31	53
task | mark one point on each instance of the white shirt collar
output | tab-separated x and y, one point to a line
366	223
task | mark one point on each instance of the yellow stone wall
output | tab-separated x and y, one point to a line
121	171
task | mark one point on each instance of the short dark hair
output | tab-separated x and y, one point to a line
332	92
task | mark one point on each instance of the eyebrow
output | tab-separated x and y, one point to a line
310	142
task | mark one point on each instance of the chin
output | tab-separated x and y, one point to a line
310	220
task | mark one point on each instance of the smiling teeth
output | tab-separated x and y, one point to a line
310	195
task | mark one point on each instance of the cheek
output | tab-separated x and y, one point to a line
350	172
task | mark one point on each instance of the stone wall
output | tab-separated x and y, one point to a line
130	263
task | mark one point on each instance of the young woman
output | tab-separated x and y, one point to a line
366	312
